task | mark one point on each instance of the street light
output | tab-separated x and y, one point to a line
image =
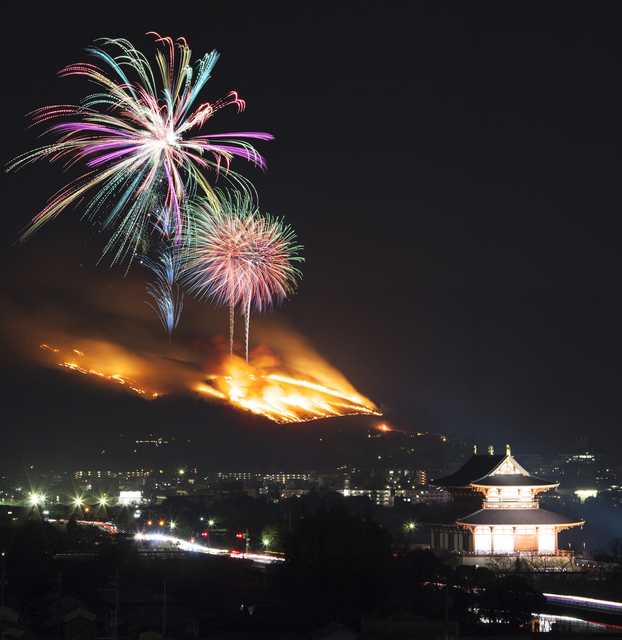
78	504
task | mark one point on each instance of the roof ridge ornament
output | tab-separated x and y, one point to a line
507	450
491	451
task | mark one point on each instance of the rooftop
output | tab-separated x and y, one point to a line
516	517
477	466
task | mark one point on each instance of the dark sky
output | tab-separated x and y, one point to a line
452	169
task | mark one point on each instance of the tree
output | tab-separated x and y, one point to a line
610	559
502	565
611	555
511	600
272	536
416	583
336	562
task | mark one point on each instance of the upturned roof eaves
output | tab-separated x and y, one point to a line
517	517
512	480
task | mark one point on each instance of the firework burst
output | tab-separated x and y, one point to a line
167	268
238	258
136	139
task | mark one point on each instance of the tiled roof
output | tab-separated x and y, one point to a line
478	470
513	480
477	466
515	517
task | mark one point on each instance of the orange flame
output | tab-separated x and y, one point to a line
282	398
278	395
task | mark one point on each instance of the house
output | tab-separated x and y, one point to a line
494	511
9	625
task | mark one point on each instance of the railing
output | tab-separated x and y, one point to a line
511	505
560	553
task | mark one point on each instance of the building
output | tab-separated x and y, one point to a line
386	497
494	511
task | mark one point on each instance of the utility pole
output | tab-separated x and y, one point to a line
164	614
2	592
116	606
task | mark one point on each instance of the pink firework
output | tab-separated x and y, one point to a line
240	258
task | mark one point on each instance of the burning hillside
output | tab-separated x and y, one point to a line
265	386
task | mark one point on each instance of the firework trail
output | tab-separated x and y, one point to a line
166	294
167	268
240	258
137	140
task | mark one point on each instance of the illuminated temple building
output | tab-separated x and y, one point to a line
494	511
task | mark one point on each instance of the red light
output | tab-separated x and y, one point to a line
205	534
240	535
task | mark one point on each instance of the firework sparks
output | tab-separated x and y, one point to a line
166	267
239	258
136	140
165	291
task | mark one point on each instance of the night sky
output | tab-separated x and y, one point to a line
452	169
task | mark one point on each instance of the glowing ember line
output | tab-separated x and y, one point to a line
114	378
279	398
45	346
213	392
356	407
284	399
311	385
